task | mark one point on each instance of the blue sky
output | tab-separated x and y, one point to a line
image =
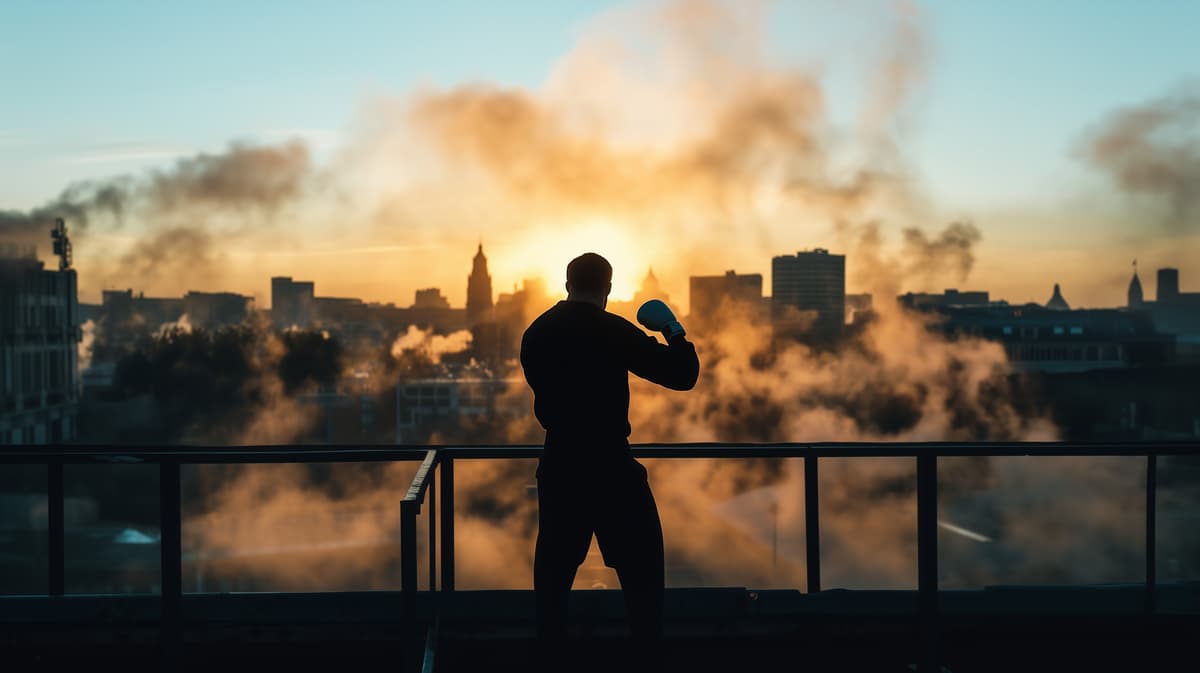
1009	86
99	88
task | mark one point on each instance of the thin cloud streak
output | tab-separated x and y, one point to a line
377	249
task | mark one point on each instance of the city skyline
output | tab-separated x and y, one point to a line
261	301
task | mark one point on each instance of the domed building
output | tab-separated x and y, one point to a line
1057	302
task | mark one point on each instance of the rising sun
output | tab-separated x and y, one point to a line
544	251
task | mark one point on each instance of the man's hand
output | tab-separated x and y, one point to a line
655	316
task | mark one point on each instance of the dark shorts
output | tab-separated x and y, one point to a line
608	498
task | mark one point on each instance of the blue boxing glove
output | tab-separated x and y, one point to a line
655	316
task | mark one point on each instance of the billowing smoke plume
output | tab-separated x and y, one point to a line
1153	149
173	213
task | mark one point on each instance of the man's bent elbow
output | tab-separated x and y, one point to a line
688	381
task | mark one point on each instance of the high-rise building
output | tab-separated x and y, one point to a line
479	290
291	301
808	292
1168	284
707	293
39	336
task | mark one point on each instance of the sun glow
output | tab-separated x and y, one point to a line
544	251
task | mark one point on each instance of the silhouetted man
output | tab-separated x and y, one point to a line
577	358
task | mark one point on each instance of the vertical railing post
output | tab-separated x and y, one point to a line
812	524
408	557
1151	529
927	559
433	532
170	559
56	529
446	467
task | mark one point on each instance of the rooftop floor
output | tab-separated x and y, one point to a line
1001	629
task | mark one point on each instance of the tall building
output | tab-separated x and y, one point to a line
707	293
479	290
808	292
39	336
291	301
1168	284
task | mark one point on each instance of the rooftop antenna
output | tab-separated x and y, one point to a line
62	244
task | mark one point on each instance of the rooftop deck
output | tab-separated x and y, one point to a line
429	625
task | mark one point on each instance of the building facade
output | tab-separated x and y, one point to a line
808	293
39	337
706	294
291	301
210	310
1056	341
950	297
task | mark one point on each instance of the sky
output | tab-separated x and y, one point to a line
989	132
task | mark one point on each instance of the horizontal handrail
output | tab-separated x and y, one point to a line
187	454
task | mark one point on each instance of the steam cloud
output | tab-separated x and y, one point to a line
1153	149
431	345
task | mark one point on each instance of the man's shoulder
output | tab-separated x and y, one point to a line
546	317
618	322
566	313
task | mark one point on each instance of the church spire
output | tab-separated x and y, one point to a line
479	290
1134	295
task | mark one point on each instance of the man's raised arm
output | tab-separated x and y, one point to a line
674	365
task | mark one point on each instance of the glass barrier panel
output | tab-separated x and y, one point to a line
495	523
868	516
112	529
293	527
1041	520
24	565
1177	555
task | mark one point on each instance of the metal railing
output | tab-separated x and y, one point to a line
437	464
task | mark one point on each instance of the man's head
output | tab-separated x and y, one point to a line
589	278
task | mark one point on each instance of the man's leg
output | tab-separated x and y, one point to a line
564	534
631	538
